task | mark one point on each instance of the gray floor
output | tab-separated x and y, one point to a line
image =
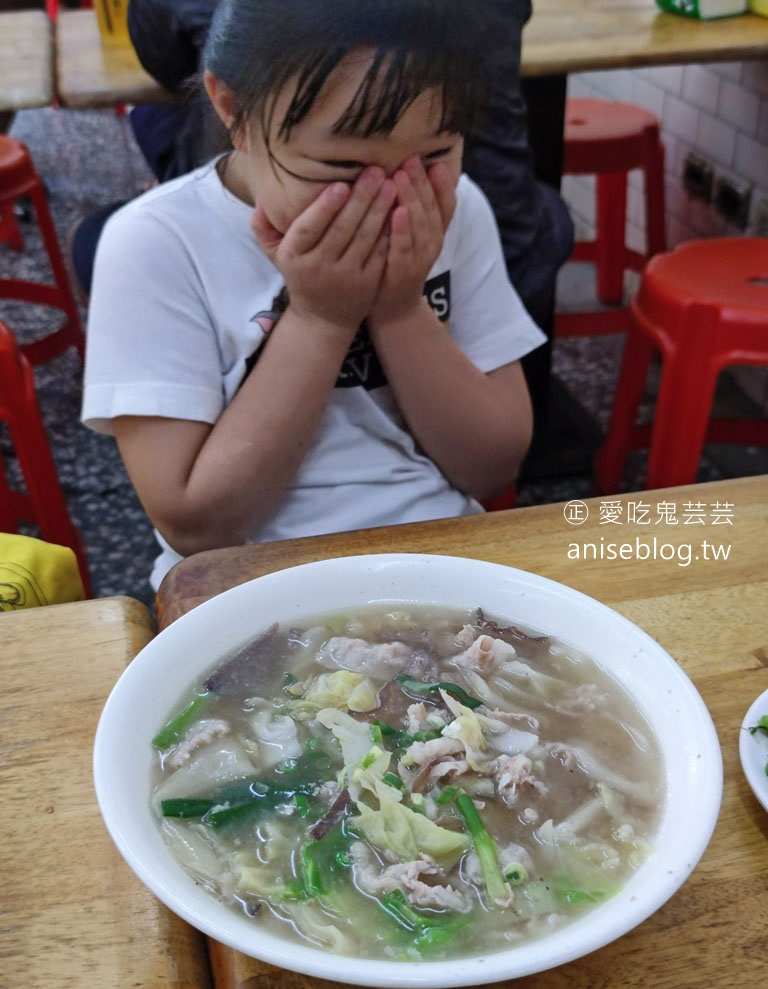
88	158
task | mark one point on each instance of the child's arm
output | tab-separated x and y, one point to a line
475	426
208	486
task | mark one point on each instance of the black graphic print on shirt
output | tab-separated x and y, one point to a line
361	367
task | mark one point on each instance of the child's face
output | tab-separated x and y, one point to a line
286	181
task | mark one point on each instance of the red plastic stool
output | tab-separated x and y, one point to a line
501	502
43	502
9	228
704	306
18	177
608	140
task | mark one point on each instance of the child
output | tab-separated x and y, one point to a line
316	332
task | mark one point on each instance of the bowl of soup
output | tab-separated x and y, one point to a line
398	770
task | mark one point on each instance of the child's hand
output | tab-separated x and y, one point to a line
426	201
333	254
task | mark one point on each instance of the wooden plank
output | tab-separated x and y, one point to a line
563	36
26	60
566	36
73	913
537	539
90	73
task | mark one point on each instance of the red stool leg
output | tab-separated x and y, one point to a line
611	232
655	197
611	458
684	401
502	502
9	228
18	405
71	333
18	177
8	521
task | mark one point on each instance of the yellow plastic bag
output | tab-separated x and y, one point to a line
35	573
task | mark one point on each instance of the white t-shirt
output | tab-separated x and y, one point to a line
181	304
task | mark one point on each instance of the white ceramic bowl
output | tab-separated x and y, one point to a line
160	675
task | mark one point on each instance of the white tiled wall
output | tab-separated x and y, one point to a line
718	111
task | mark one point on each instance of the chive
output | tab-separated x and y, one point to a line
376	734
448	795
424	736
515	873
417	804
485	847
394	780
371	756
171	732
184	807
398	908
420	688
311	879
384	728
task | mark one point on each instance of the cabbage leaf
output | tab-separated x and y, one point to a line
342	689
408	835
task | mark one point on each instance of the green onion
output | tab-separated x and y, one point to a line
448	795
170	733
485	847
420	689
515	873
183	807
392	779
761	726
418	804
384	728
311	879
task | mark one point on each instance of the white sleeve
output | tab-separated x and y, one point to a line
488	320
152	348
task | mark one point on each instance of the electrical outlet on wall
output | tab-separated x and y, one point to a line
698	177
731	200
760	218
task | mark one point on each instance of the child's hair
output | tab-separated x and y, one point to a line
256	47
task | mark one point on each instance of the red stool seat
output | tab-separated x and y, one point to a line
42	504
609	140
19	178
704	307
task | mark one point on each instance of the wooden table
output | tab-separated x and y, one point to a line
73	914
566	36
563	36
92	74
26	60
710	615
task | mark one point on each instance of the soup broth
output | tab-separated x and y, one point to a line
408	783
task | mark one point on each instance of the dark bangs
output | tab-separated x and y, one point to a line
261	47
395	78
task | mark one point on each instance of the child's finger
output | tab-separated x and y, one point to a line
309	228
423	187
373	223
377	259
416	172
444	190
343	231
423	226
400	236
